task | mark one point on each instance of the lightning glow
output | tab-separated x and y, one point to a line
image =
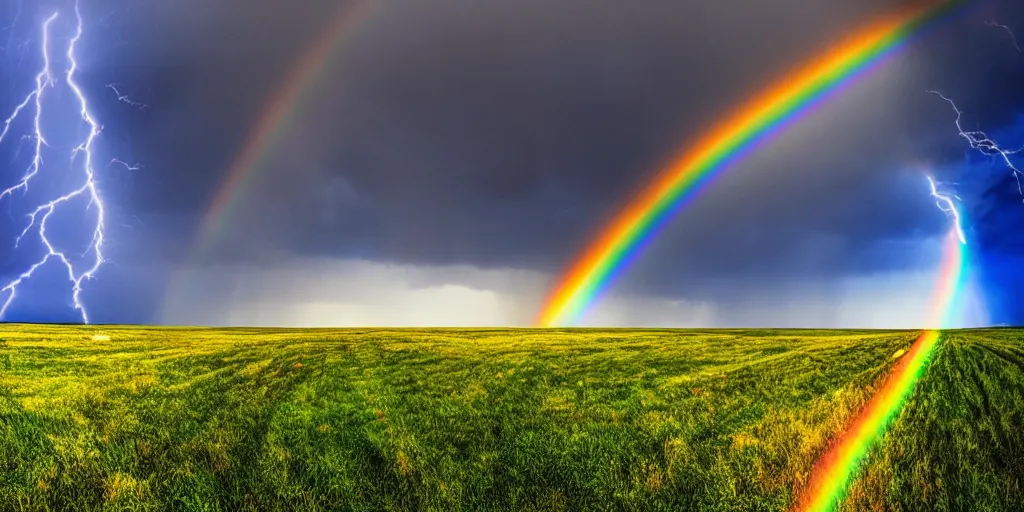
82	156
835	470
946	204
985	145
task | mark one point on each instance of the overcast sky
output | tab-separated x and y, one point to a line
454	156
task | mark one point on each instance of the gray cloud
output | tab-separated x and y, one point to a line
502	135
320	292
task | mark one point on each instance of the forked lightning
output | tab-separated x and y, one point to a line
81	163
980	140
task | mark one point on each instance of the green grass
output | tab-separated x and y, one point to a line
959	444
264	419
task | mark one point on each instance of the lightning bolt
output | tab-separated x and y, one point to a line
123	98
985	145
1013	38
81	154
126	165
945	203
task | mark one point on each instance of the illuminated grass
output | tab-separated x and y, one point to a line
959	444
262	419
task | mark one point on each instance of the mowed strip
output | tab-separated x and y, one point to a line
493	419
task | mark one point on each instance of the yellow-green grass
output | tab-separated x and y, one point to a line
959	444
129	418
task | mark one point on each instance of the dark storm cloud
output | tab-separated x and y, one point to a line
995	208
203	69
504	134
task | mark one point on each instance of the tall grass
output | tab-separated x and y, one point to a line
959	444
487	419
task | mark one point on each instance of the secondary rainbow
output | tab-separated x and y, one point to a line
750	126
833	472
274	119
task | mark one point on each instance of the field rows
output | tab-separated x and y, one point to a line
499	419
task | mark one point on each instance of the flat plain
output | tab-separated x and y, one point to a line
138	418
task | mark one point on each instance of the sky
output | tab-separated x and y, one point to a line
449	160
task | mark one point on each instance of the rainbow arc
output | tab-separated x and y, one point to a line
748	128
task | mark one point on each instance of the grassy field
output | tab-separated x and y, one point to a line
244	419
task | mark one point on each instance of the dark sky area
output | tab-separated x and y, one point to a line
453	157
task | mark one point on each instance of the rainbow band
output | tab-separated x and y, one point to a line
272	122
833	472
274	119
753	124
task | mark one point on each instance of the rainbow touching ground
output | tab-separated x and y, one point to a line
834	471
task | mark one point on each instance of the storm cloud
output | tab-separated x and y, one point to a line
479	147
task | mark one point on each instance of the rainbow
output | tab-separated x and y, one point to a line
832	473
275	118
749	127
